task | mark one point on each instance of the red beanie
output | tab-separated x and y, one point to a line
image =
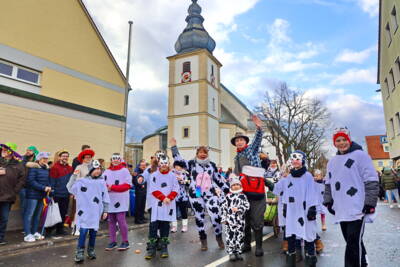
343	134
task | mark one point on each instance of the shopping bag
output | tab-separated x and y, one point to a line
270	213
53	215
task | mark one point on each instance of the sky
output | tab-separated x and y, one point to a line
327	48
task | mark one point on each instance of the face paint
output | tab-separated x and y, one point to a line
116	157
163	161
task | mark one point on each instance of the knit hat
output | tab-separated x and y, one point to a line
43	155
12	147
299	155
85	152
341	131
94	165
234	180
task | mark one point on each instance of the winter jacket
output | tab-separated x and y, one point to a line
250	155
75	163
38	179
388	179
140	189
13	181
59	177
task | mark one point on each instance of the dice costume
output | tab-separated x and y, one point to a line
234	221
203	177
119	181
351	194
300	209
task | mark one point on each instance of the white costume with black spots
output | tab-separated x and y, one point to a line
202	194
235	221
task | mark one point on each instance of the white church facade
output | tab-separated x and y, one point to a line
201	110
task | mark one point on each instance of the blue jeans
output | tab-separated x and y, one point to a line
4	212
22	199
82	237
33	209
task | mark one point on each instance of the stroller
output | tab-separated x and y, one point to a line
271	213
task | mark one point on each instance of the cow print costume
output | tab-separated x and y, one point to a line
235	221
208	199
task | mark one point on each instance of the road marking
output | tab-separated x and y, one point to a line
226	258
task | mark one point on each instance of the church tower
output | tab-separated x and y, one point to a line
194	109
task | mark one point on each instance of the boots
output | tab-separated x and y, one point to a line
174	227
151	250
91	253
319	246
285	246
158	244
204	246
79	255
258	234
311	261
164	248
291	260
299	255
184	225
220	242
247	240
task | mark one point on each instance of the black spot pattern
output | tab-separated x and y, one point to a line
214	210
160	203
304	205
290	185
197	207
154	179
209	172
102	194
171	211
116	182
291	199
116	205
337	186
352	191
163	185
105	178
83	189
301	221
96	200
330	175
281	194
80	213
349	163
212	202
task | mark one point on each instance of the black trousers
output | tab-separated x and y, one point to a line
63	203
140	205
355	250
294	243
183	208
162	226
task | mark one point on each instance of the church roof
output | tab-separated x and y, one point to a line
194	36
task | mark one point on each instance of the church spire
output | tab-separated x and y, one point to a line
194	36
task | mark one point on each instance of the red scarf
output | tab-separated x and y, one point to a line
238	150
164	172
117	167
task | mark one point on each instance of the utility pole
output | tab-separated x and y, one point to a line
127	87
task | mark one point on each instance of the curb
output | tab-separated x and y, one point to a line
19	248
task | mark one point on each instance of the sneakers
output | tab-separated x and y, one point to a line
391	206
185	228
124	246
38	236
91	253
174	229
111	246
29	238
79	255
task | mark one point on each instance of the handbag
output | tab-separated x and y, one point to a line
53	214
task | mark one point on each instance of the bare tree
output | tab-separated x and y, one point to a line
294	121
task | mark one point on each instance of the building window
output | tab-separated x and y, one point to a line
213	104
380	163
186	67
186	100
387	87
392	128
186	132
394	19
19	73
388	34
391	80
212	70
386	148
397	63
398	122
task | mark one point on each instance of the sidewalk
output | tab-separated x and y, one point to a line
16	245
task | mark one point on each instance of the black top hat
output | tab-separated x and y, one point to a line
239	135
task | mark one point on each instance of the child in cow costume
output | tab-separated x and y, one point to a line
351	194
234	208
204	181
182	200
300	203
164	188
253	179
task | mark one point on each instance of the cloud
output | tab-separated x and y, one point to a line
369	6
353	76
350	56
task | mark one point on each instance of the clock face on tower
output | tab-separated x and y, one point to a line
186	77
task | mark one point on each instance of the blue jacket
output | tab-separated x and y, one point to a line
59	177
38	179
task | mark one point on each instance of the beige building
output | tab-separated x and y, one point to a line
201	110
389	71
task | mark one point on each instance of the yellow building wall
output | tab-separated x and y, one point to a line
386	163
150	146
61	86
49	132
59	31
